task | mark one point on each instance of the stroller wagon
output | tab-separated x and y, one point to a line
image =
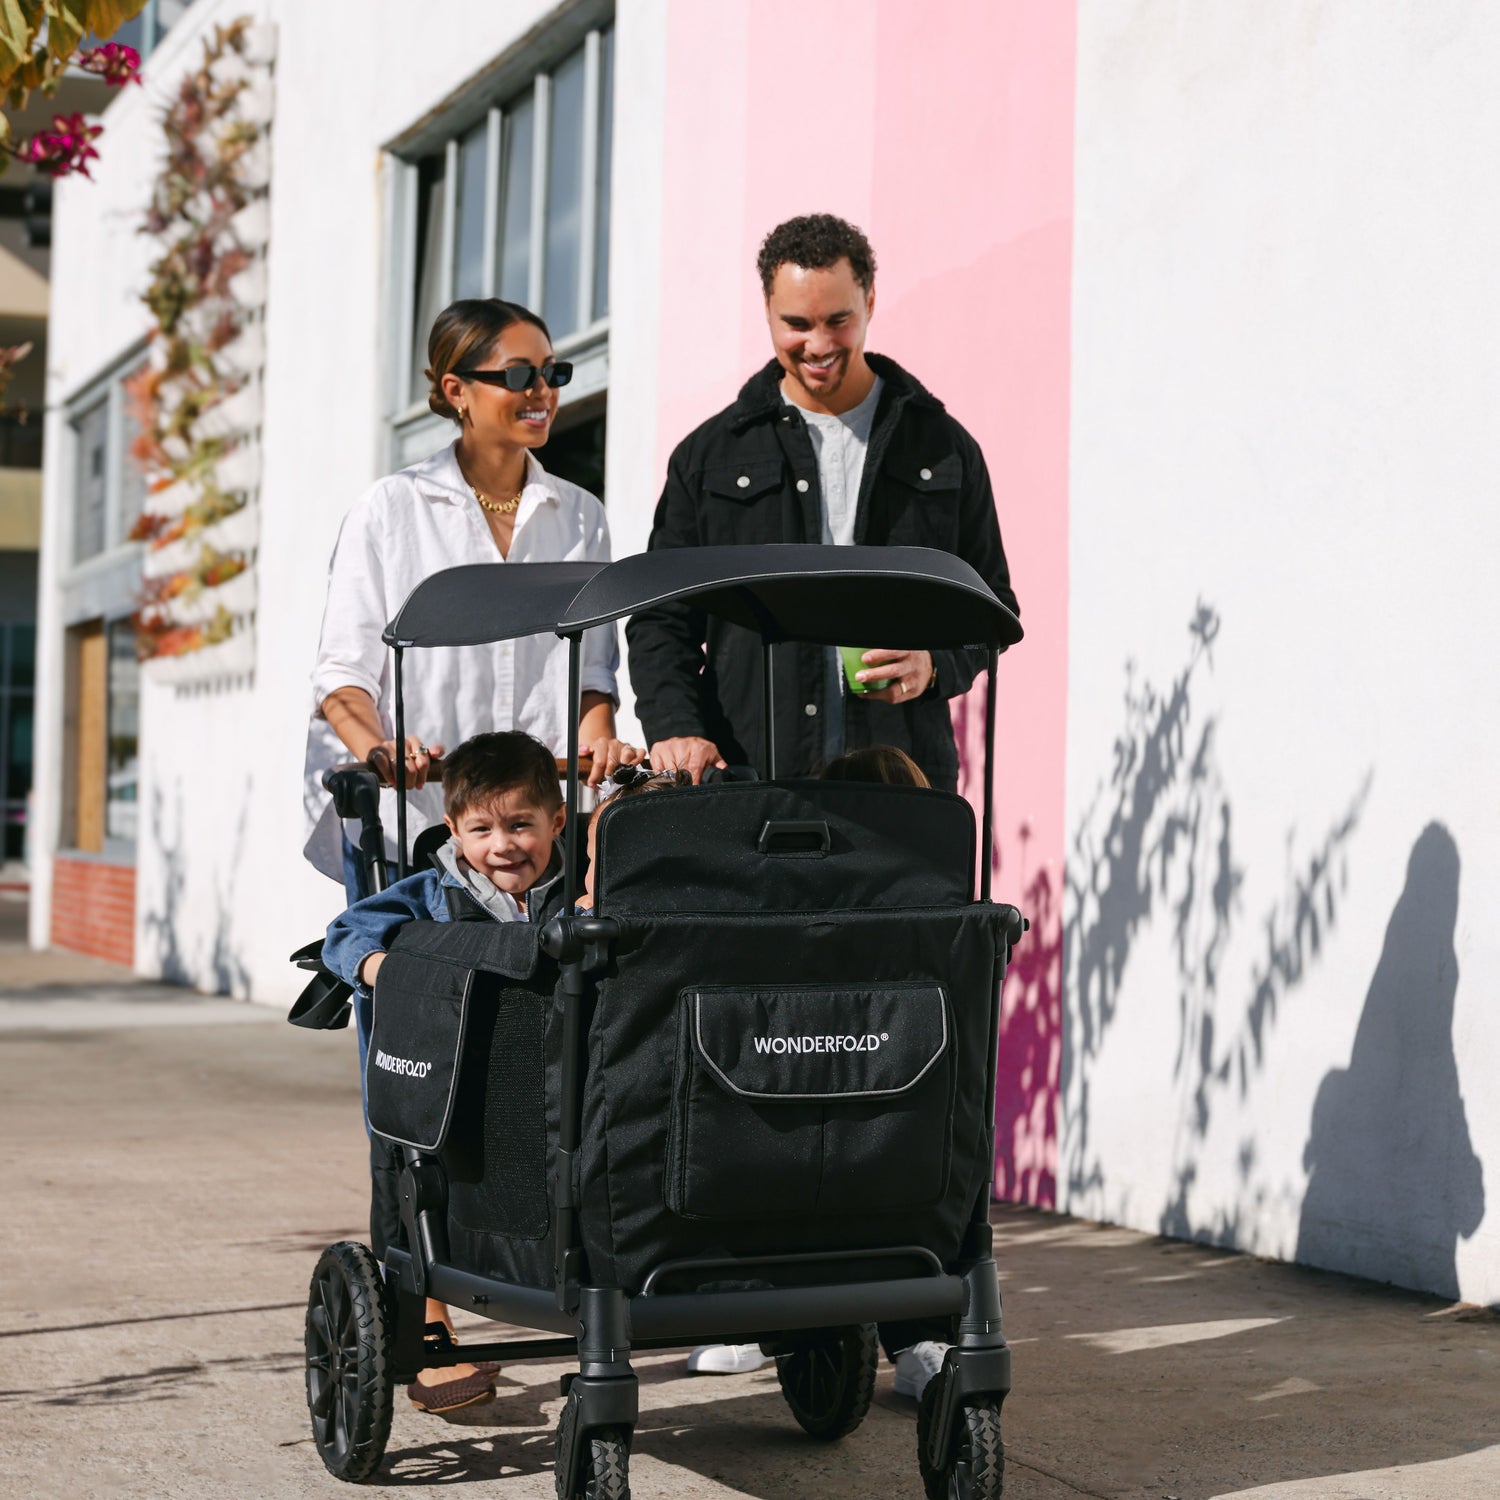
749	1097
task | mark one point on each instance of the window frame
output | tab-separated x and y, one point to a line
106	389
411	431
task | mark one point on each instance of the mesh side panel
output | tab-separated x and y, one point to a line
498	1174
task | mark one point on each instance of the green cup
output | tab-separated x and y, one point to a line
854	661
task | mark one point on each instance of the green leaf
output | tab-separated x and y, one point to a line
65	28
15	39
105	17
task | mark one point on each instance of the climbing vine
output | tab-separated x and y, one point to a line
199	320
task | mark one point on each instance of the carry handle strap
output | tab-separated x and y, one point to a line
809	839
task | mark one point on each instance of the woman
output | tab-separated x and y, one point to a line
484	498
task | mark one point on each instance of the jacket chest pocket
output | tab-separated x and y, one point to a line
921	501
743	501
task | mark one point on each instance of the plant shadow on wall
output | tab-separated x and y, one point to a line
225	970
1394	1181
1157	841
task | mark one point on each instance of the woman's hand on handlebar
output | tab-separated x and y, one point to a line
608	756
419	756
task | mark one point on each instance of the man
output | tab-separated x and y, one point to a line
826	443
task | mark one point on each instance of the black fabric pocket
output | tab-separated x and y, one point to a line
497	1150
824	1099
421	1013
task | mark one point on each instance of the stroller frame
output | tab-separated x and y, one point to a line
786	592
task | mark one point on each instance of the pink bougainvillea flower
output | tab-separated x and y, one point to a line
64	149
114	62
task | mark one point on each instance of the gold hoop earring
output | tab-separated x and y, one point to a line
463	415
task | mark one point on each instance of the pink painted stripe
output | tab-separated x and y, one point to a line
946	132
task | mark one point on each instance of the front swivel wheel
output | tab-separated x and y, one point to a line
977	1469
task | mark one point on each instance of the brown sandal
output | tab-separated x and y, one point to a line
449	1395
463	1390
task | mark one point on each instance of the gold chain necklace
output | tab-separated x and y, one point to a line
500	507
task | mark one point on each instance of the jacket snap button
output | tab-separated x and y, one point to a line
801	486
743	481
926	474
811	710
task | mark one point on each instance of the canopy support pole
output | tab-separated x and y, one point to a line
987	847
400	773
768	707
570	828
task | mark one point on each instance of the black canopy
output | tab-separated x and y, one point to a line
483	602
873	596
799	591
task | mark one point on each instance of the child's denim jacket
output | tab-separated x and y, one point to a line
370	926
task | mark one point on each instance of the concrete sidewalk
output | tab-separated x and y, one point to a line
170	1185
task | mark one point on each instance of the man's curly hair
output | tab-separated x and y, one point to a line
815	242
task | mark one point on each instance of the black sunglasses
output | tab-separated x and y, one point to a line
519	378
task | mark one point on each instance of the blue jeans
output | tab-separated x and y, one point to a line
356	888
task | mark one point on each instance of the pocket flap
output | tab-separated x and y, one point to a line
746	481
820	1042
421	1014
930	475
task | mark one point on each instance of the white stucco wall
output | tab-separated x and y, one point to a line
223	893
1284	373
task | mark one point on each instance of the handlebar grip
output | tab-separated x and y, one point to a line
335	776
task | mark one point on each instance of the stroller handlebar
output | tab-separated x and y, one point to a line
341	780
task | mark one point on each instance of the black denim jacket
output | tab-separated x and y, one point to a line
750	475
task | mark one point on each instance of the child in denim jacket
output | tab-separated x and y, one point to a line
504	809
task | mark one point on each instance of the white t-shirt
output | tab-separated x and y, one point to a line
840	444
405	528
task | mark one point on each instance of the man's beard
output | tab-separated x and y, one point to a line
836	372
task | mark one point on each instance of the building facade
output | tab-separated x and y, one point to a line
1204	292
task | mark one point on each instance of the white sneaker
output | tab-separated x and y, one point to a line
726	1359
917	1365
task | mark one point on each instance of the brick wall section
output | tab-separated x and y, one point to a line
93	908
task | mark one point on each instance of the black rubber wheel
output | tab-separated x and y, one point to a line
348	1339
978	1468
828	1381
605	1471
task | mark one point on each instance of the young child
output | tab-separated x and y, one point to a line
504	808
882	763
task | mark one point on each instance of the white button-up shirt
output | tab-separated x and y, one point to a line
404	529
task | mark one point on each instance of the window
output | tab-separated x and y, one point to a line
510	198
17	681
102	719
108	486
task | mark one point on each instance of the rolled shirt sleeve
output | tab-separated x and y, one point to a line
351	652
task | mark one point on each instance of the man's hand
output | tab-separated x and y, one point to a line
910	673
369	968
609	755
686	753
